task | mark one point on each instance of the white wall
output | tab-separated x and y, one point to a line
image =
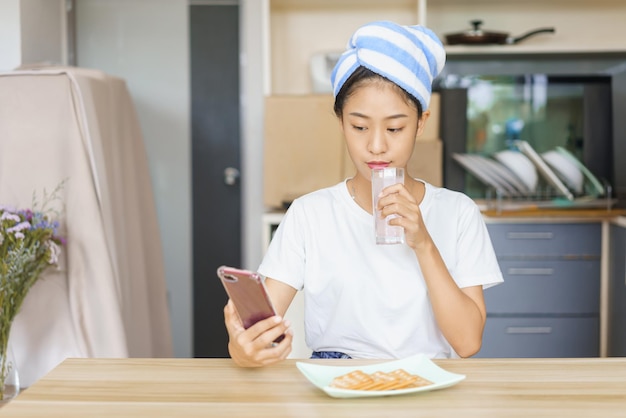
32	31
10	38
43	31
146	43
252	103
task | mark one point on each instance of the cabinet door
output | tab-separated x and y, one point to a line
541	337
546	287
546	240
548	305
617	292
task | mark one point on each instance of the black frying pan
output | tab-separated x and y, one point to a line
477	36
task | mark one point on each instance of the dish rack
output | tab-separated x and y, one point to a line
536	182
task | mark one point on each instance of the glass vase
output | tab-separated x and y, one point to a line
10	382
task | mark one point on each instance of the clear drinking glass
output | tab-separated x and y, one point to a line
381	178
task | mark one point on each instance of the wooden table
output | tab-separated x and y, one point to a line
530	388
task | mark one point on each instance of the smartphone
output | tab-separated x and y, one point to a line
247	291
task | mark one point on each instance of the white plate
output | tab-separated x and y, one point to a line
599	188
543	168
507	174
322	375
503	174
519	164
566	169
478	170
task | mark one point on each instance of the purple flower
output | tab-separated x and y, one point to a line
9	216
19	227
27	214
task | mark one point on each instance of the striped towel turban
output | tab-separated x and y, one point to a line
410	56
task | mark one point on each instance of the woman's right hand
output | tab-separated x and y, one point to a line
254	347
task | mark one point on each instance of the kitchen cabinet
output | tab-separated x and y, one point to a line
617	289
549	303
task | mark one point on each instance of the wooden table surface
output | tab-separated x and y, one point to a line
594	387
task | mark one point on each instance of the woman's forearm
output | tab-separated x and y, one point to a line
460	313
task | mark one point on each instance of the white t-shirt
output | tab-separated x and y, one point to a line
368	300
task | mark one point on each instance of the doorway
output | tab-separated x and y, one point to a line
216	189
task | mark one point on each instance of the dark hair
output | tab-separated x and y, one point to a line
359	77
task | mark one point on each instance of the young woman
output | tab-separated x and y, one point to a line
364	300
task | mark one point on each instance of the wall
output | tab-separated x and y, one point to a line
146	42
252	102
32	31
43	31
10	38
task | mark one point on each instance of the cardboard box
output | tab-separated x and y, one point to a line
426	163
303	149
431	130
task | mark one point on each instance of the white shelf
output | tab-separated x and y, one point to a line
453	50
297	29
331	4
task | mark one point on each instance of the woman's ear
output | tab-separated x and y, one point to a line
422	122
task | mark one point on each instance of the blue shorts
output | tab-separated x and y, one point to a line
329	354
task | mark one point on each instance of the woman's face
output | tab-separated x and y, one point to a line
380	127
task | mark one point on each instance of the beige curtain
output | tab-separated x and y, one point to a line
108	298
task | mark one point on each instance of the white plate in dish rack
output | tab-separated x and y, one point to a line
543	168
321	375
505	173
519	164
482	173
566	169
598	187
497	170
